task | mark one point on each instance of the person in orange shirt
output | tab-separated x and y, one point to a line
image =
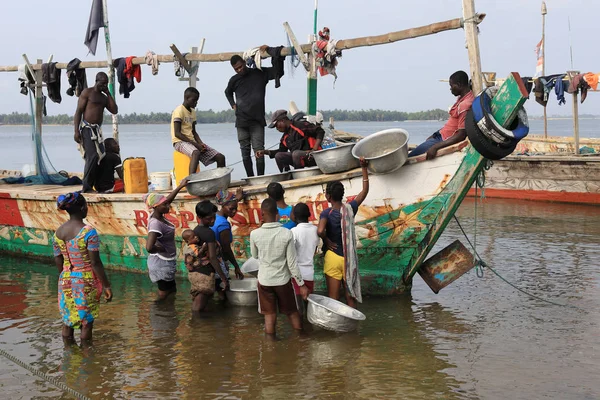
454	130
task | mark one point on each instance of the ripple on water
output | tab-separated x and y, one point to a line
478	338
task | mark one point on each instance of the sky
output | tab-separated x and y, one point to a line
402	76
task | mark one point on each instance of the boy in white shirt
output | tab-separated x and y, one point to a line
306	241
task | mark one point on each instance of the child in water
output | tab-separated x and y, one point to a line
306	241
201	273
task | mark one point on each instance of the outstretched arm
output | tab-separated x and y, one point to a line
172	195
365	186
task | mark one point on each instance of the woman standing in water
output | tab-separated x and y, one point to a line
222	228
336	228
162	260
82	278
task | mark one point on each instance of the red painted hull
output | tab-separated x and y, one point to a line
540	195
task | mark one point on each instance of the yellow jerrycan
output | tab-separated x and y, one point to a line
135	175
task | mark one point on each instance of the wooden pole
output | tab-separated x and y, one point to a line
39	114
343	44
311	96
111	68
470	23
576	122
544	12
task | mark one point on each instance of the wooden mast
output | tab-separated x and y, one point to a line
311	106
111	68
544	12
470	22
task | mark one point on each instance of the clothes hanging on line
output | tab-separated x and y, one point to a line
277	61
252	58
152	60
528	83
126	72
77	78
25	78
592	80
179	69
51	77
578	84
544	85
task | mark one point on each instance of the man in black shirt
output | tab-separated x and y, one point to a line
111	163
249	87
299	139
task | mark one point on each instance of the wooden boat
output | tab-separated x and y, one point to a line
399	222
547	170
405	212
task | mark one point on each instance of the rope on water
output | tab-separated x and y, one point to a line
480	265
44	376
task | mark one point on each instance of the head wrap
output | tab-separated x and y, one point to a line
153	200
224	197
66	201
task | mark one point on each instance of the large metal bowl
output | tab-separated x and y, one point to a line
306	172
243	292
332	315
206	183
386	151
266	179
250	266
336	159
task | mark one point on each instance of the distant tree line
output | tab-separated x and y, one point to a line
215	117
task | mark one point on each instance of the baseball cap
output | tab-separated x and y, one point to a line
277	116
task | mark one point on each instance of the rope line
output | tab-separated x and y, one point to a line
50	379
482	264
251	155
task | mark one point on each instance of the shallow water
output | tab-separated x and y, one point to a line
478	338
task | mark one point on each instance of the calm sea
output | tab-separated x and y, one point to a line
153	142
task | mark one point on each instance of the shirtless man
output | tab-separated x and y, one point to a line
88	131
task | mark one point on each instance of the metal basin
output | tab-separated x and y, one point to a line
386	151
243	292
266	179
250	266
209	182
332	315
336	159
306	172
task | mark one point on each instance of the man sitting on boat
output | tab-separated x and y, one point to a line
299	139
454	130
184	137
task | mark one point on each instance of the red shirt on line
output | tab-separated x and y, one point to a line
458	114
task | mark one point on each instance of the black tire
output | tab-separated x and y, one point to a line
485	146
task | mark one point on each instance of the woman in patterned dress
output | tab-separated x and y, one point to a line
82	278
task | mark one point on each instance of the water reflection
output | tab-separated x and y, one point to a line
478	338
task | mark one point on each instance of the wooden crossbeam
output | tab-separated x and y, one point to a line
343	44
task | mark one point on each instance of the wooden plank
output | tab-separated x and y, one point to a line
510	98
181	58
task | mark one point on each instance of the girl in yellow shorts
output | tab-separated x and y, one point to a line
330	230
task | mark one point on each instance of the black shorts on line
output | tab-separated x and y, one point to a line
167	286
